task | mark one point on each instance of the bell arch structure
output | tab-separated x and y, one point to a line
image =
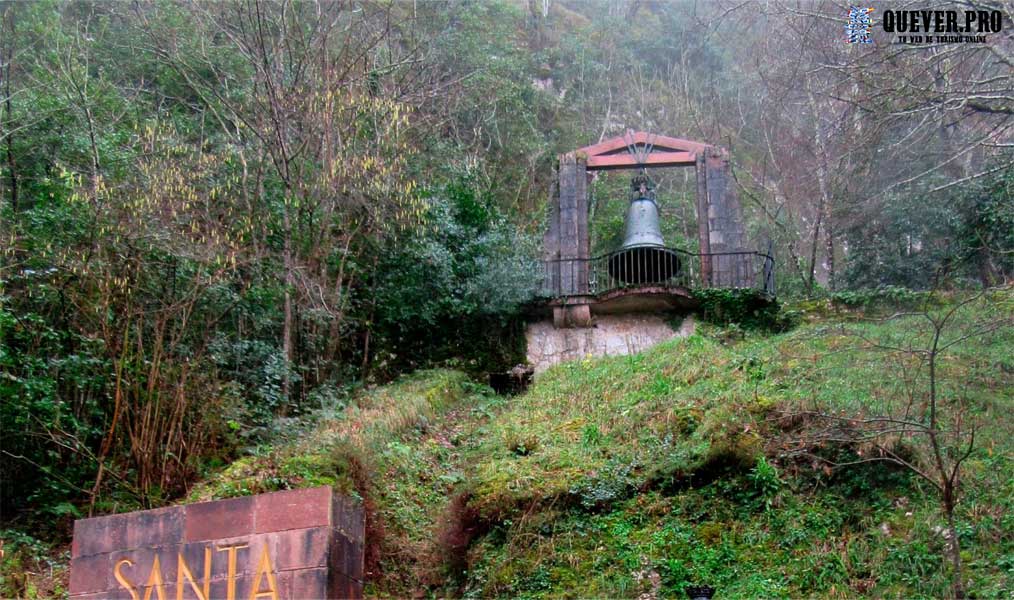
723	261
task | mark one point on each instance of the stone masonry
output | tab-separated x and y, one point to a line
611	335
293	544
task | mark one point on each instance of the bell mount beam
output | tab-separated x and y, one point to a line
655	159
643	138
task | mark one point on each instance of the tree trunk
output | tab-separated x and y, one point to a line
12	171
287	322
823	207
957	585
829	234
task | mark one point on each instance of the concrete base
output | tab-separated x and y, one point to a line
575	315
582	310
608	335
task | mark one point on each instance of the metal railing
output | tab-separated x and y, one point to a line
657	267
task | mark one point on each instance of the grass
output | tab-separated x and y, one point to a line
330	451
644	474
399	449
637	476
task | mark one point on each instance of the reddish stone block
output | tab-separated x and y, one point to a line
91	574
248	553
169	593
302	548
142	561
344	588
242	583
349	518
117	594
99	535
194	556
120	593
220	519
313	538
168	588
159	527
347	556
292	509
307	584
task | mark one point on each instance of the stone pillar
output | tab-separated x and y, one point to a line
703	236
725	226
551	246
573	226
572	316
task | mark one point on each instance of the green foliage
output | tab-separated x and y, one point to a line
887	297
31	568
644	474
218	249
455	288
985	236
167	277
923	241
39	364
668	468
747	308
765	481
327	451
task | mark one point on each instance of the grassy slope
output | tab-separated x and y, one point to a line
399	447
633	475
636	475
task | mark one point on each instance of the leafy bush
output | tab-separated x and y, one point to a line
29	567
885	297
919	241
747	308
454	290
46	438
764	479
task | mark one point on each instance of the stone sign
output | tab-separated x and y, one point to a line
296	544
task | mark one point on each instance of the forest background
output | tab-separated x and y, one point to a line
218	218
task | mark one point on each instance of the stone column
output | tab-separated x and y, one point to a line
725	226
573	226
703	234
551	246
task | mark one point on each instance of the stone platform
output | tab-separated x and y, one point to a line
607	335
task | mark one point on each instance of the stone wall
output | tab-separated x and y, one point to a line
293	544
610	335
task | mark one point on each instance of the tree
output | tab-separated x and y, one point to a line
927	424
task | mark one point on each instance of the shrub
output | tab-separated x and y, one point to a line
746	308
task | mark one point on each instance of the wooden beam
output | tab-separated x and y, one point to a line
662	142
655	159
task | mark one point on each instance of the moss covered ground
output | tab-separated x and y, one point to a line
637	476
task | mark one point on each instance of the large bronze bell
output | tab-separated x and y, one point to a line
643	259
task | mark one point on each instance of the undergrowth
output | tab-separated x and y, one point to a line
644	474
637	476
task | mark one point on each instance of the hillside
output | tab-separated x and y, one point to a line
640	475
255	245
